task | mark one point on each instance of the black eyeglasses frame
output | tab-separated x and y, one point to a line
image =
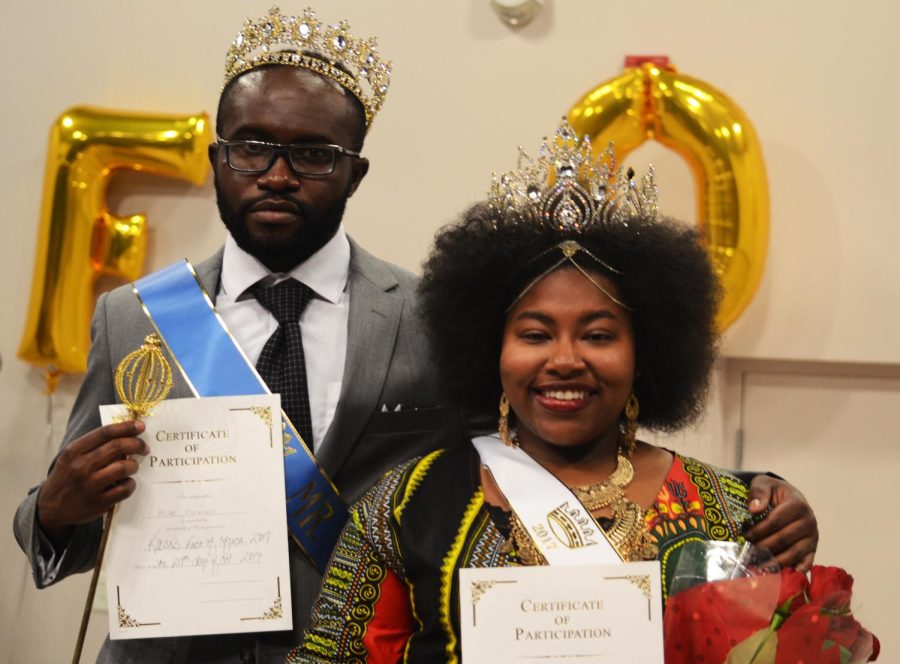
280	148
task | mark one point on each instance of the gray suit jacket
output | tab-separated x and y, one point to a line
387	364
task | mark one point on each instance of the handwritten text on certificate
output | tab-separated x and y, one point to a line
201	546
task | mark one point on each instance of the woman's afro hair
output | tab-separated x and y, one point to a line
480	265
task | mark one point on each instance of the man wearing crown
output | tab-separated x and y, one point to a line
354	376
298	99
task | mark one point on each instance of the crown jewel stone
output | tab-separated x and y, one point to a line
567	214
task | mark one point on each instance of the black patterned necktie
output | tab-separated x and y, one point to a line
281	363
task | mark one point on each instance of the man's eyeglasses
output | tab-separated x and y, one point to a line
305	158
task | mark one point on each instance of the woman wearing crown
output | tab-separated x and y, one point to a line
584	316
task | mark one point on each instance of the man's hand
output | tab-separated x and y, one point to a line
90	475
789	531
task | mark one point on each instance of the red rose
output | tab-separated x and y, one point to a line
802	637
847	632
831	587
703	623
811	621
844	630
793	586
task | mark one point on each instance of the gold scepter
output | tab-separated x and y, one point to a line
143	378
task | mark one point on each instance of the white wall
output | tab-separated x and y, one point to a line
816	79
832	430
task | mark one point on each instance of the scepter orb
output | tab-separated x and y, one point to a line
144	377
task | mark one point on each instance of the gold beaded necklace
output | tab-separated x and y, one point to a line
609	491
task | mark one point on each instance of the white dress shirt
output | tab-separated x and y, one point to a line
323	323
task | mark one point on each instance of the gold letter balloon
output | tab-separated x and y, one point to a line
79	239
713	135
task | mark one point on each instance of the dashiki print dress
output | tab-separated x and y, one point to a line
390	591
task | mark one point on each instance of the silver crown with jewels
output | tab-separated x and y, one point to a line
569	187
304	41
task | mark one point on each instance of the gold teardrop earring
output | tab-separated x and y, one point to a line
632	409
503	422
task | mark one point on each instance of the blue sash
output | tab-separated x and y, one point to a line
214	365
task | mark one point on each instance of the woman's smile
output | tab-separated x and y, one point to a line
564	398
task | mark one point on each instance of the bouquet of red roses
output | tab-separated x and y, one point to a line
775	618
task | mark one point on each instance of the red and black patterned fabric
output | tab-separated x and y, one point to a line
390	593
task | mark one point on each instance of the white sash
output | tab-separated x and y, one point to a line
562	529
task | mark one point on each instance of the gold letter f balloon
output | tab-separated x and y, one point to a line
720	145
78	237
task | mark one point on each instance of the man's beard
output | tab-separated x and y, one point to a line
281	254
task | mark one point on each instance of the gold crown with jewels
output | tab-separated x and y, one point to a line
569	187
304	41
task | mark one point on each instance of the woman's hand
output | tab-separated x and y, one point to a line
789	530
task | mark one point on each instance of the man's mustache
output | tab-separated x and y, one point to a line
275	202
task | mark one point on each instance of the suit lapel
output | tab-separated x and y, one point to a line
209	271
374	318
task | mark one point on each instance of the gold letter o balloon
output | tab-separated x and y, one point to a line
713	135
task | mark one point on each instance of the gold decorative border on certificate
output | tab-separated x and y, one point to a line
642	583
479	588
262	412
276	611
125	620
